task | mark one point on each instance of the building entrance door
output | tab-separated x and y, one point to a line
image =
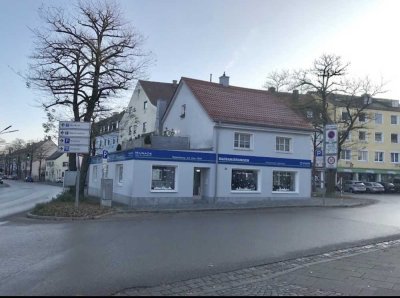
197	189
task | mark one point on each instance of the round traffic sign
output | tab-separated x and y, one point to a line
331	134
331	160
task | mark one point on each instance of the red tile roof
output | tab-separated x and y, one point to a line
158	90
247	106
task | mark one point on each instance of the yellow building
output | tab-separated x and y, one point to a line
372	150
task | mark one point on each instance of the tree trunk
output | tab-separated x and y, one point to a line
83	174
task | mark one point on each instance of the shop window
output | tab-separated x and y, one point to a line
283	144
163	178
242	141
244	180
284	181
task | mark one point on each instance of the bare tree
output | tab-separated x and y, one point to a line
82	60
278	80
326	80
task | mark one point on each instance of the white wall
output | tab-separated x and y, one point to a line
149	115
105	138
55	171
196	124
264	142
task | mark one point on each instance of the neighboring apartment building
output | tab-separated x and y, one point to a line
106	133
56	165
246	145
371	152
146	107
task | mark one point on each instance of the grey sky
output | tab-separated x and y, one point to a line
196	38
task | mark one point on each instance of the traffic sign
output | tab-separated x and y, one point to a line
331	162
318	152
74	125
105	154
74	149
74	133
73	141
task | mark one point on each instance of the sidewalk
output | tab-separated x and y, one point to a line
344	201
367	270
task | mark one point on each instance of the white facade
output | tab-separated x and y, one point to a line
55	169
139	117
108	141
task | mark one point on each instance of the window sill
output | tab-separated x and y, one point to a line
285	192
160	190
245	191
285	152
243	149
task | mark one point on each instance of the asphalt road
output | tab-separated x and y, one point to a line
101	257
22	196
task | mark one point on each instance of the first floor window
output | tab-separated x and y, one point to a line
362	135
363	155
119	172
378	137
163	178
244	180
242	141
345	154
394	157
283	181
283	144
378	156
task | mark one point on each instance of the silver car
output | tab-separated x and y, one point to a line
354	186
374	187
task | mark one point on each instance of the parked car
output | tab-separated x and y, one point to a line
59	180
14	177
28	179
1	180
354	186
396	182
374	187
389	187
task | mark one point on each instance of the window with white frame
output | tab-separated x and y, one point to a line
283	144
94	172
379	137
119	172
362	135
163	178
394	157
378	156
244	180
394	138
283	181
242	140
345	154
393	119
362	155
145	105
144	126
378	118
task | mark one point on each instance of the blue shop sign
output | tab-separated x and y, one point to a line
263	161
170	155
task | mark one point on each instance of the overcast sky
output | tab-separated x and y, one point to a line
195	38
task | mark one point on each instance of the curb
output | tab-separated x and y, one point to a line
33	216
364	202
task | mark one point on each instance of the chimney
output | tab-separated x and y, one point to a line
295	94
174	82
224	80
271	89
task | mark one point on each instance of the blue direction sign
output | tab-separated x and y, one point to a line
105	154
318	152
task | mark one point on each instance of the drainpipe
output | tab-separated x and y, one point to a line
216	159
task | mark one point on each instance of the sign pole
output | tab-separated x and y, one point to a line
77	182
324	167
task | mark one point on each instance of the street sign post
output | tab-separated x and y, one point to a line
74	137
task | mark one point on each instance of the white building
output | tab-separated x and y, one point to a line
246	145
107	133
56	165
142	114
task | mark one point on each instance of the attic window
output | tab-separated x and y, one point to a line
183	111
